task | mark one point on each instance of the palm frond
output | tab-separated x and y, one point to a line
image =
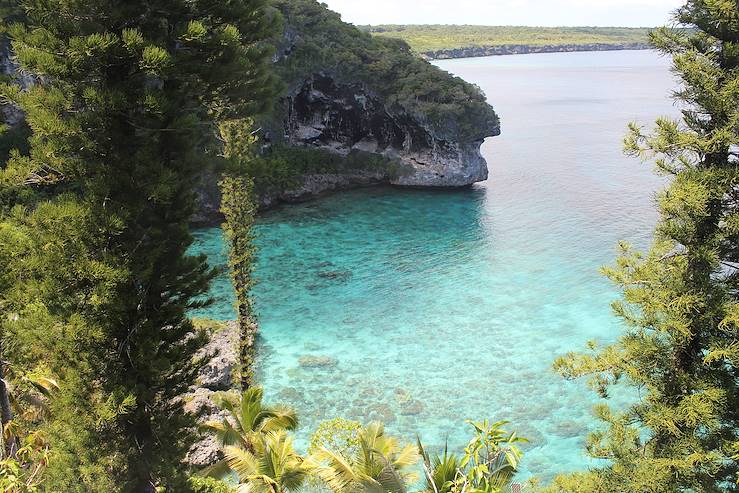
44	385
407	457
391	479
334	470
242	462
226	434
281	417
217	470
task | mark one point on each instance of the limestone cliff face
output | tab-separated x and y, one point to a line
349	92
349	117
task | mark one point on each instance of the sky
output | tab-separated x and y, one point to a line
627	13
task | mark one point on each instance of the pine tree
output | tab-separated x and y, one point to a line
239	210
681	299
124	119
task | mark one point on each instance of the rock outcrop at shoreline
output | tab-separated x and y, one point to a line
482	51
219	374
349	117
310	187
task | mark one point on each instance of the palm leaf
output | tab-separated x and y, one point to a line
242	462
281	418
334	470
217	470
391	480
44	385
407	457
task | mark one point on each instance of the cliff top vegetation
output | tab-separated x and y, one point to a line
316	40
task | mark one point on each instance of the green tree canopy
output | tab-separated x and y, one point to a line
125	117
680	304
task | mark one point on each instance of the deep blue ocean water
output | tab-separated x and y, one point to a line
441	306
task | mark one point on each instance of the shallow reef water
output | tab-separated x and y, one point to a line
424	308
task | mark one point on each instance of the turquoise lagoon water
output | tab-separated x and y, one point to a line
441	306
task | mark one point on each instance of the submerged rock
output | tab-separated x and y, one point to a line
290	395
402	395
336	275
570	429
311	361
380	412
369	392
412	408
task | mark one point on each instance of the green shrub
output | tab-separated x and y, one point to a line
209	485
284	167
338	435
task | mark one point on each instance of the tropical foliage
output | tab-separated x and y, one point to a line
339	434
249	418
271	466
380	464
200	484
346	457
132	101
488	465
255	443
23	471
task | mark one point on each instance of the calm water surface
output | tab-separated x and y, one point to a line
443	306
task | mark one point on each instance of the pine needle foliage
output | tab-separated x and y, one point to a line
238	206
680	300
124	115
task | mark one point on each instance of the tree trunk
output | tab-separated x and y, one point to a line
6	413
143	481
246	336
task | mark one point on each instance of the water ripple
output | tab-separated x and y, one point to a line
442	306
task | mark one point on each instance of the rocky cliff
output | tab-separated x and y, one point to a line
347	92
219	374
349	117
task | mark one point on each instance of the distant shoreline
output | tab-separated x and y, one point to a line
503	50
442	42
